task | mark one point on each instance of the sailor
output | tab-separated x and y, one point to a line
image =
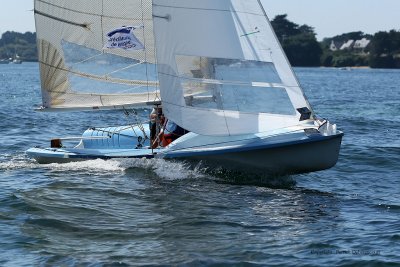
156	121
170	132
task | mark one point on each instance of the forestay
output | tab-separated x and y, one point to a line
96	54
221	69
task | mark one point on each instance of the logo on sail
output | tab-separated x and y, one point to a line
124	38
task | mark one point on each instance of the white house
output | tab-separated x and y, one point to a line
347	45
361	44
335	45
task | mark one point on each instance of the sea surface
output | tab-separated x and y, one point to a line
158	213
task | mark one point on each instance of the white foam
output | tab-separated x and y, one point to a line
15	162
169	170
15	165
87	165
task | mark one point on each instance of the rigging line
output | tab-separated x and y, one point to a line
209	9
115	71
125	68
87	59
122	128
141	128
138	123
102	78
133	129
115	132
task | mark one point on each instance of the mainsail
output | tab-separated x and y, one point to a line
221	68
87	53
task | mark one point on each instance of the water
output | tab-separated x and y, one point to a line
152	212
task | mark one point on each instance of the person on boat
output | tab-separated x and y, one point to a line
157	119
170	132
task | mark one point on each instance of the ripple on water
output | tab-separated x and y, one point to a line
154	212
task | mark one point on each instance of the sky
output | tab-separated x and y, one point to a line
328	17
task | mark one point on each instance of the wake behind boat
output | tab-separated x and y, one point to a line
226	81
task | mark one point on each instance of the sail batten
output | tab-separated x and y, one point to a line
83	25
139	16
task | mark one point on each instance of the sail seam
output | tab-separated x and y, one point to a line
102	78
105	95
222	82
242	112
61	108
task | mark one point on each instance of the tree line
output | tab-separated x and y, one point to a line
21	44
303	49
298	41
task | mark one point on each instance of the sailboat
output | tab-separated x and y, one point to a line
215	68
16	59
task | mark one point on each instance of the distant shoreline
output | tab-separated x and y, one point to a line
379	51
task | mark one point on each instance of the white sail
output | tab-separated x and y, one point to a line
82	67
221	68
